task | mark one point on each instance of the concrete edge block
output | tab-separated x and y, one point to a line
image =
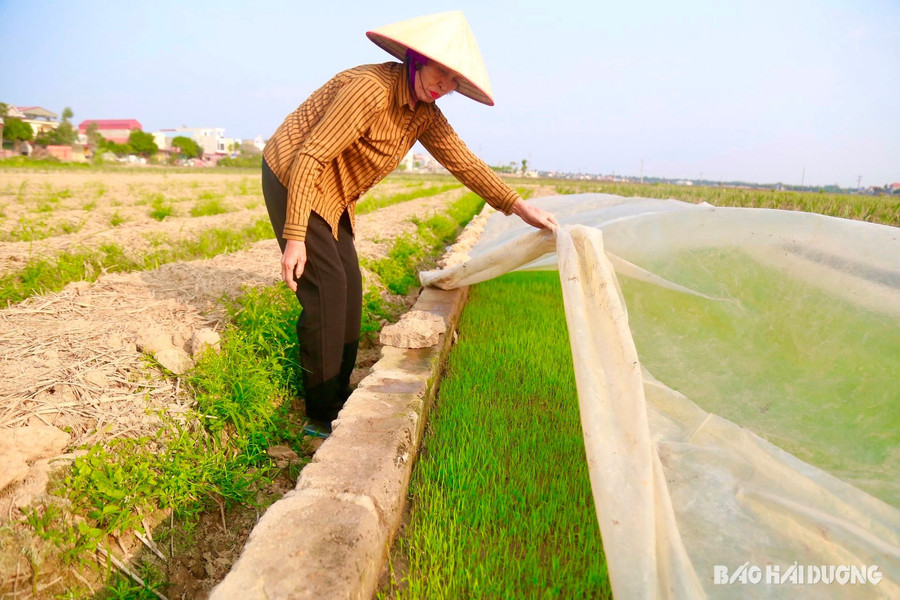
309	545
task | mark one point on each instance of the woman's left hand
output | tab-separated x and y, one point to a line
534	216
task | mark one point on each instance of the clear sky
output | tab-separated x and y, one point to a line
761	90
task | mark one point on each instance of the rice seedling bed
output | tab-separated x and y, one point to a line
809	372
875	209
500	504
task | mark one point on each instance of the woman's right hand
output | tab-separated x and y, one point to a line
292	263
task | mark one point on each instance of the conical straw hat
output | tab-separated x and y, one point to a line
444	38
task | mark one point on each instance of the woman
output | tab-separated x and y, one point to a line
345	138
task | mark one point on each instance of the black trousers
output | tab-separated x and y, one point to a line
330	294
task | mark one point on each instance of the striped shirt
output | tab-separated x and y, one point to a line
351	133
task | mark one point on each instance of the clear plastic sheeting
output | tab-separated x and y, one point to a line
737	374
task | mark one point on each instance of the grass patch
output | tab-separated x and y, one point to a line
48	163
374	203
57	195
30	229
116	219
246	162
160	208
51	275
501	505
209	204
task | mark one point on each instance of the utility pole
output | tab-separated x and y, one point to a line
642	171
858	181
803	178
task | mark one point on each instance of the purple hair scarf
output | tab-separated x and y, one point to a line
415	61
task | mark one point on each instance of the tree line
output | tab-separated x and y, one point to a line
139	143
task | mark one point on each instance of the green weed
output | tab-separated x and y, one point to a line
20	196
67	227
46	206
116	219
56	196
89	206
28	230
375	311
160	207
213	205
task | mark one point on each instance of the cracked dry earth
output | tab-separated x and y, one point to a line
71	372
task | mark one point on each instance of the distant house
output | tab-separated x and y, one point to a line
211	139
40	119
894	188
114	130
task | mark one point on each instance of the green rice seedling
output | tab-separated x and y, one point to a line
208	195
160	208
156	239
28	230
46	206
373	203
57	195
500	499
116	219
68	227
213	205
20	196
89	206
